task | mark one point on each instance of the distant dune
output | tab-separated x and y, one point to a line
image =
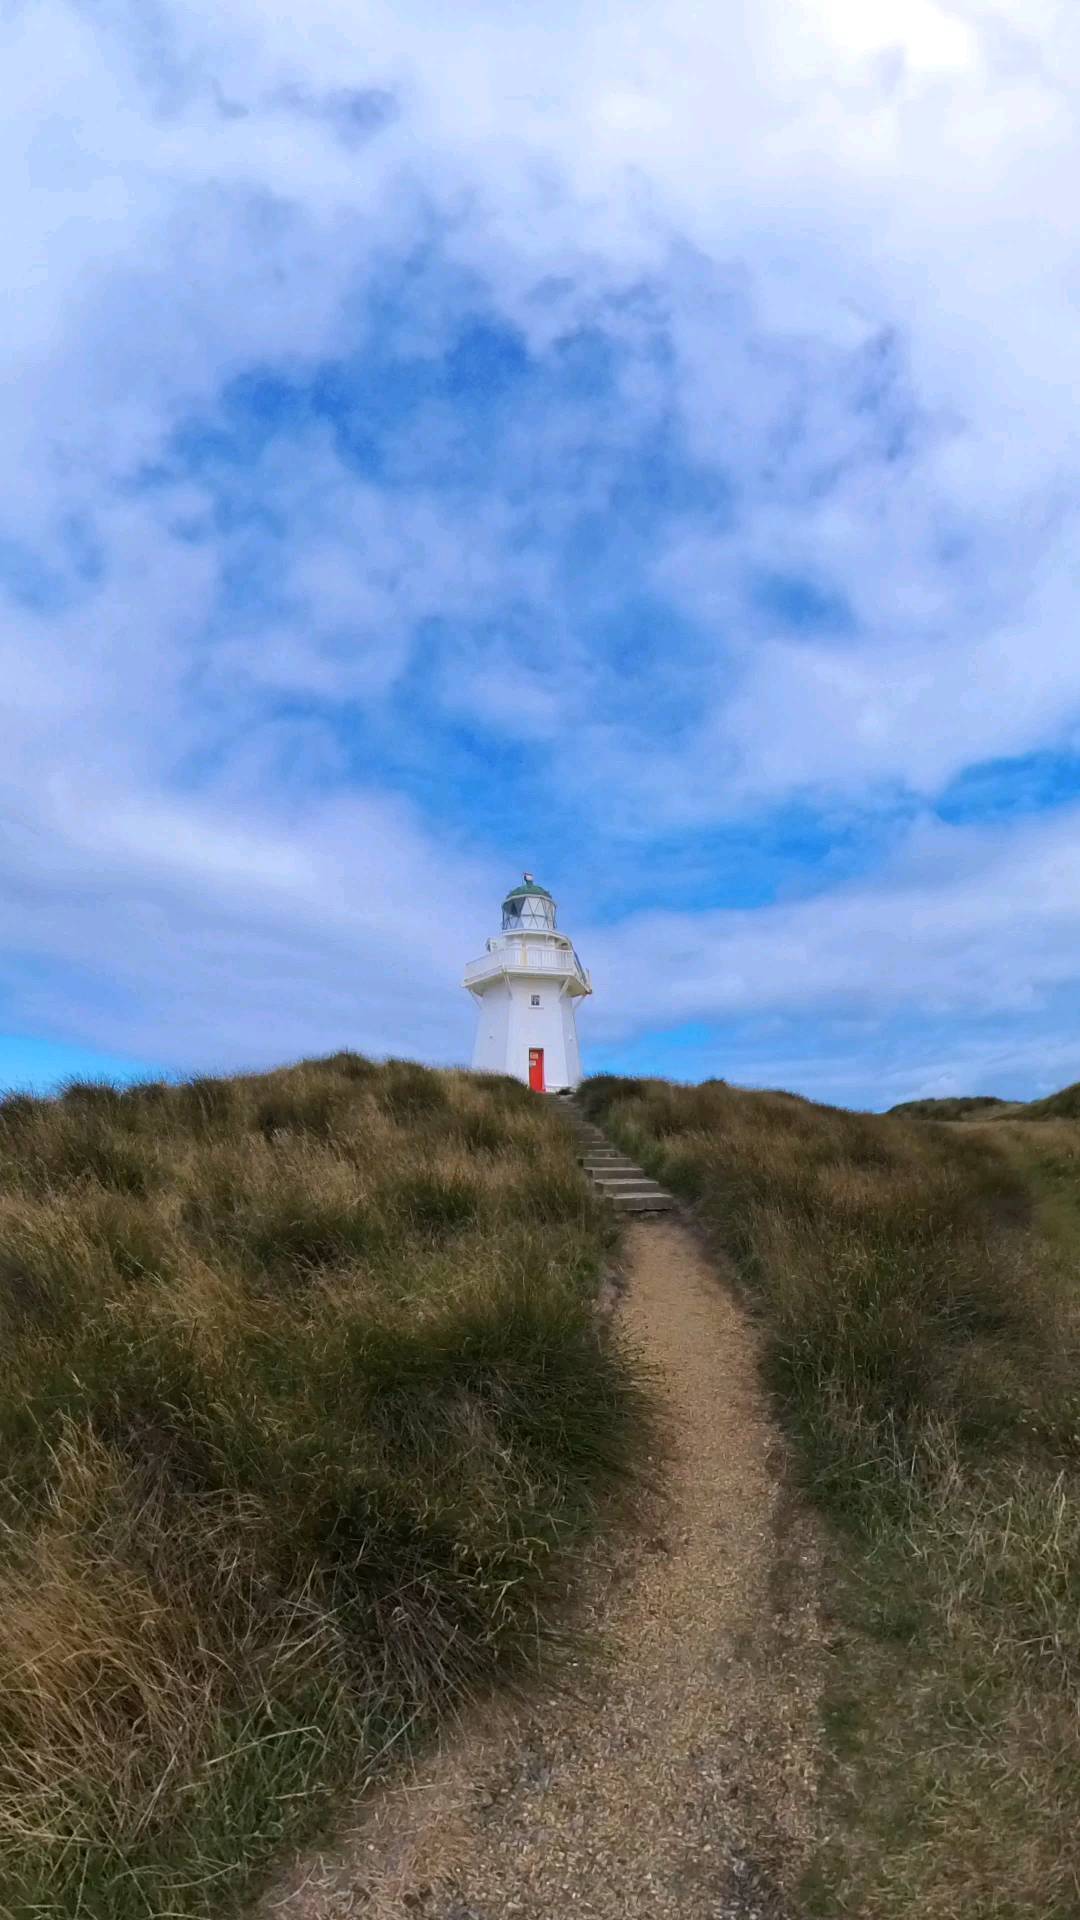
1057	1106
985	1106
955	1107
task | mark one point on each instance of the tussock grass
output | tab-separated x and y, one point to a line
304	1402
917	1287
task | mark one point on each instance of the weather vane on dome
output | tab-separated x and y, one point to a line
528	879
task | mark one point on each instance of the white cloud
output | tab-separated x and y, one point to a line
959	923
834	248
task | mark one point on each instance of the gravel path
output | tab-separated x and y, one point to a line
677	1779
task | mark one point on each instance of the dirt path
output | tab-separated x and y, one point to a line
678	1779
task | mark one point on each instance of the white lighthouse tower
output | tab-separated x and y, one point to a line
526	987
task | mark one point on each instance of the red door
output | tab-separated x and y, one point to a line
536	1069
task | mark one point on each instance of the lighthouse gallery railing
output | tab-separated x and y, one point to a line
526	959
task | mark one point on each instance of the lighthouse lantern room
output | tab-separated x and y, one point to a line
526	987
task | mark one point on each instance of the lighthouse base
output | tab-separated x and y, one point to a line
527	1028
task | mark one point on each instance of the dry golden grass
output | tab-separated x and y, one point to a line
917	1283
304	1401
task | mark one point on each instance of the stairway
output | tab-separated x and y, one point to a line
611	1172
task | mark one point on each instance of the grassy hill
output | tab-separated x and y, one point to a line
918	1297
953	1107
1056	1106
1064	1105
304	1402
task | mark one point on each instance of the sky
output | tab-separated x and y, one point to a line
638	443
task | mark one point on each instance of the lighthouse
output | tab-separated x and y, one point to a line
526	987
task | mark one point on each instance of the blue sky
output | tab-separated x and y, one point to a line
639	444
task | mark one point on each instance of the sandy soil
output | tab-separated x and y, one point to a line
676	1775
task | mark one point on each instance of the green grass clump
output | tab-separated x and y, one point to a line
916	1285
304	1403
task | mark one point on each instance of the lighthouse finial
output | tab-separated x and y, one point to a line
528	879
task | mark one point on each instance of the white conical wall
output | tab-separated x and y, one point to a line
510	1026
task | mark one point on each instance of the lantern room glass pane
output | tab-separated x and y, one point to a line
529	910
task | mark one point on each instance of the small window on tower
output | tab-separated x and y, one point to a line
536	999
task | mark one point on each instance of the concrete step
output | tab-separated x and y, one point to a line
618	1177
604	1176
635	1196
615	1189
641	1202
